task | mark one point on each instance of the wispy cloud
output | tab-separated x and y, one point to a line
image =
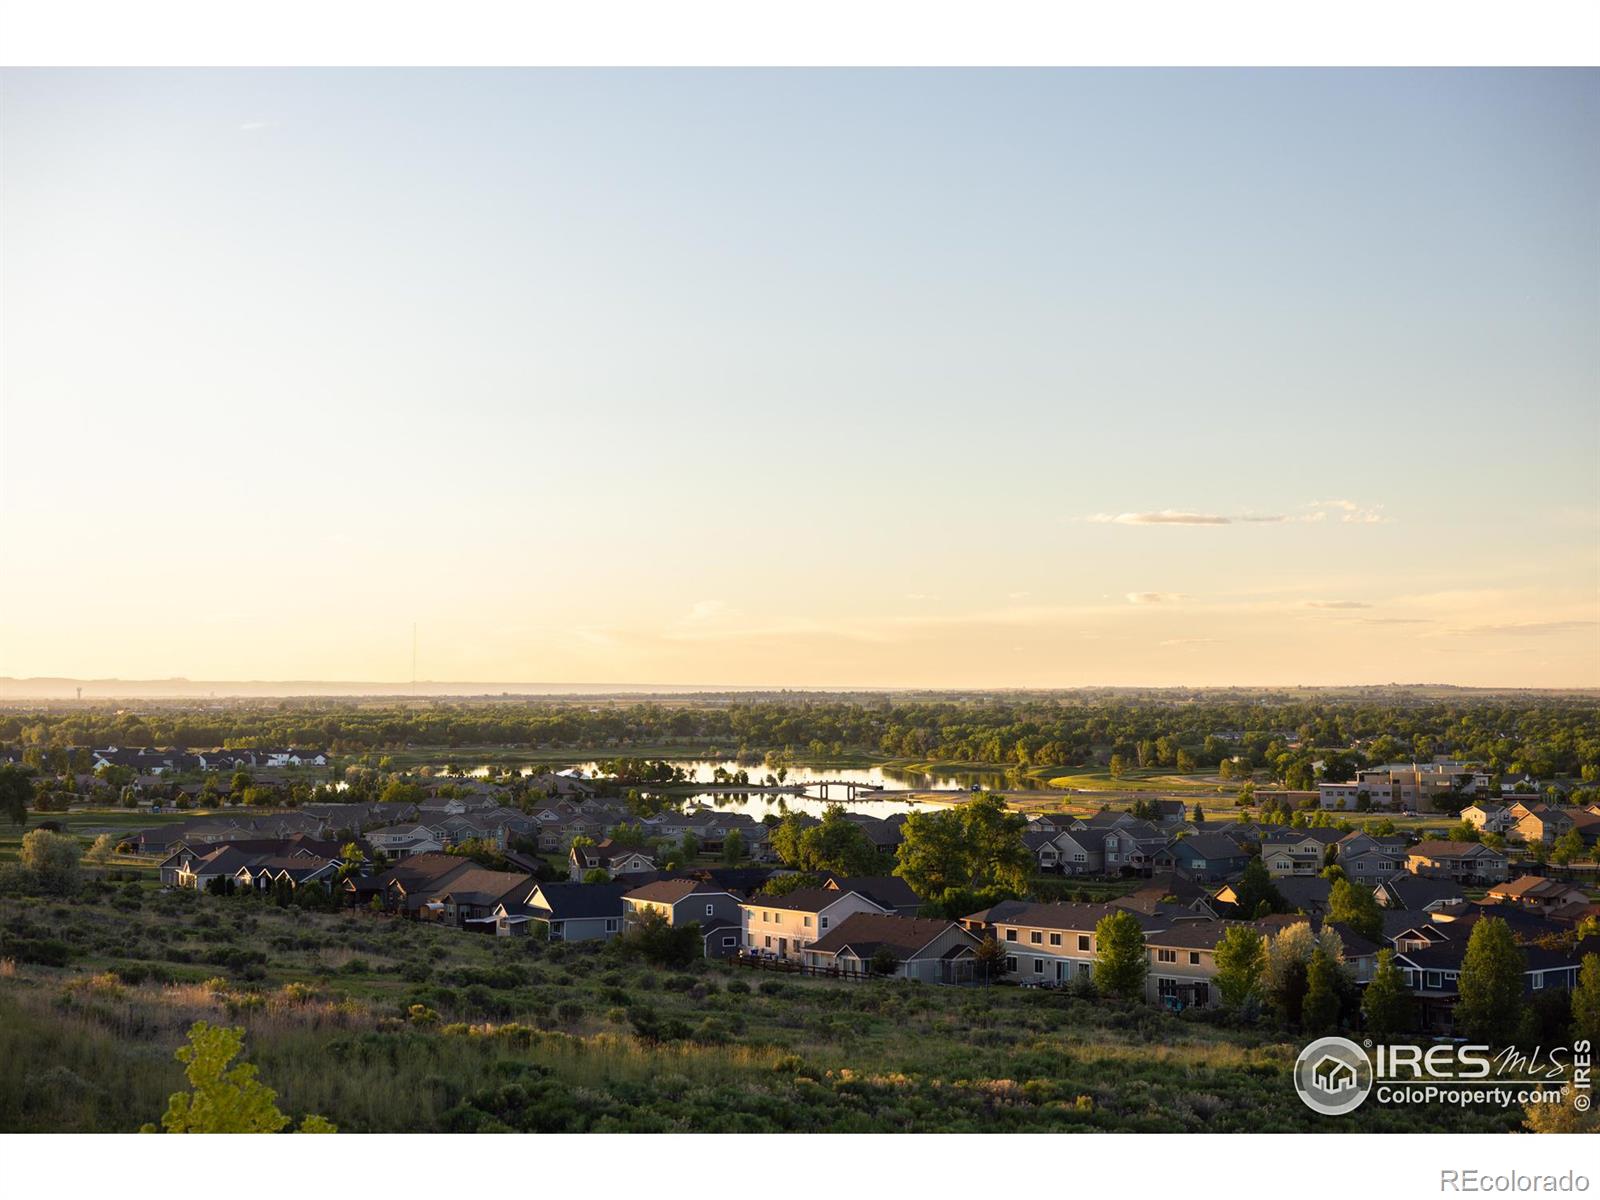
1156	597
1316	512
1350	512
1166	516
1337	604
710	610
1529	628
1395	621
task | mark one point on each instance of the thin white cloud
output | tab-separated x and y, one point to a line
1314	513
1156	597
710	610
1350	512
1529	628
1337	604
1166	516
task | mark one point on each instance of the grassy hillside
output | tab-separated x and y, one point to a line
578	1037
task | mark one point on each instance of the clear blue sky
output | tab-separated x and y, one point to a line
811	377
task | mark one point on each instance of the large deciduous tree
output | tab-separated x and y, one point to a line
16	792
1241	958
1122	962
975	847
1387	1003
1491	983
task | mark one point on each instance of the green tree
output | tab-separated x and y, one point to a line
1586	1001
597	875
990	959
1240	958
16	791
1257	895
1356	907
653	938
224	1099
1287	975
1122	962
53	859
100	850
1319	1012
1490	986
976	846
1569	848
733	848
1387	1003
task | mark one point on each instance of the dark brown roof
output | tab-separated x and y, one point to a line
867	933
670	891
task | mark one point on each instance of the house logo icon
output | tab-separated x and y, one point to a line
1333	1076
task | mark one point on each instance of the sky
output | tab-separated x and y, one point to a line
888	378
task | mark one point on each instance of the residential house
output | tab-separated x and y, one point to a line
399	841
1419	893
1431	959
684	901
1041	843
783	926
1487	817
1370	859
930	951
888	892
1047	943
473	896
1533	821
1300	893
1131	847
609	857
1082	851
1464	862
1287	852
1537	893
564	912
1204	856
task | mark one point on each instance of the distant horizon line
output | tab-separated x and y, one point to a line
54	687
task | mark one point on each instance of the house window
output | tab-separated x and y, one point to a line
1083	941
1038	966
1011	963
767	941
1167	956
1011	935
824	921
1538	979
612	924
1080	858
710	908
729	941
807	921
1036	938
1194	958
1435	981
1055	939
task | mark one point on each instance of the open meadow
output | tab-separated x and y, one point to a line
383	1024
